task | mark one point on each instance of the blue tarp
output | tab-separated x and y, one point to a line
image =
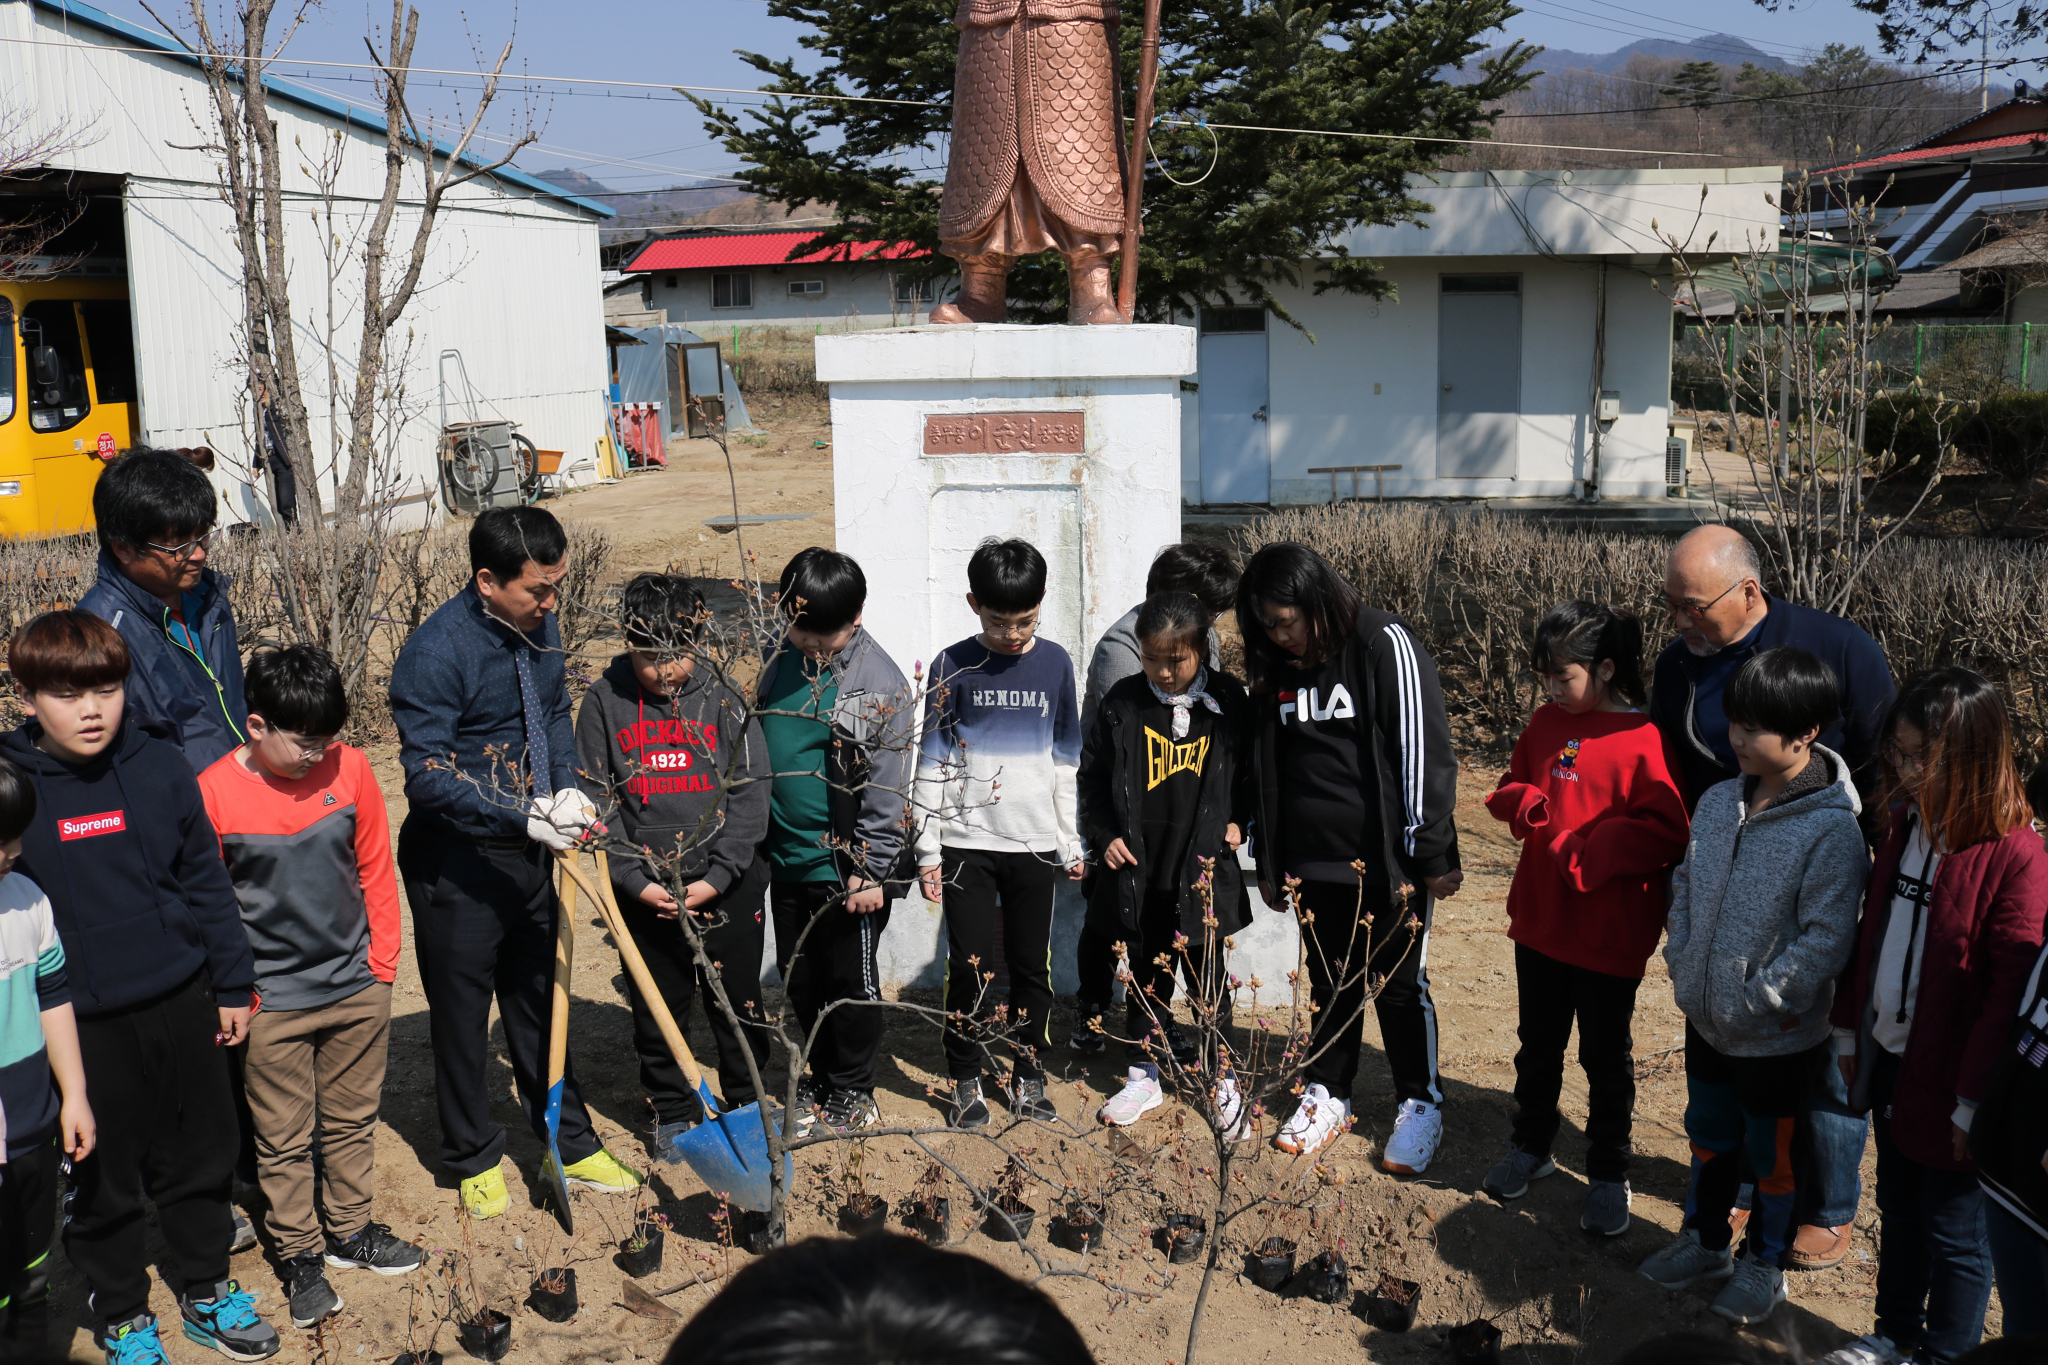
643	375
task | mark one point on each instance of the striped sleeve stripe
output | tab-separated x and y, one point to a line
1408	689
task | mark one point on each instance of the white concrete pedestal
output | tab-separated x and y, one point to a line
914	496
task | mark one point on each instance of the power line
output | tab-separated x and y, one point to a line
1768	99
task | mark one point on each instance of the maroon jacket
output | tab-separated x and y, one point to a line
1983	933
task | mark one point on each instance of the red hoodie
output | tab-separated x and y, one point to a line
1601	822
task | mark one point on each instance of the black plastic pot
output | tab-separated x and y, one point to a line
754	1233
487	1338
1393	1303
864	1214
554	1305
644	1262
1079	1227
1272	1264
1323	1278
420	1358
933	1221
1010	1225
1475	1343
1183	1237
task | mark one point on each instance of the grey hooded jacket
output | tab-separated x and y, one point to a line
1763	913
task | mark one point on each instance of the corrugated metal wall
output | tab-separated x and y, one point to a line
511	279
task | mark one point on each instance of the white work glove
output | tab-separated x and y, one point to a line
560	820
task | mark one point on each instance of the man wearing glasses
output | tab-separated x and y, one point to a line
155	511
1716	601
480	695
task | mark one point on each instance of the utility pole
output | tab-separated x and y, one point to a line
1984	70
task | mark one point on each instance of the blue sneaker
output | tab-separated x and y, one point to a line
133	1342
228	1323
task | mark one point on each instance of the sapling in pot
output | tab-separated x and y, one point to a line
1009	1217
929	1213
1272	1265
483	1331
640	1251
553	1294
1393	1303
864	1211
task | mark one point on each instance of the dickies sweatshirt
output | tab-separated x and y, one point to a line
690	767
1601	821
1001	749
122	846
311	862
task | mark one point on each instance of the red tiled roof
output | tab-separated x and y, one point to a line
1943	153
723	251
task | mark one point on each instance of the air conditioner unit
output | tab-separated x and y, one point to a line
1682	436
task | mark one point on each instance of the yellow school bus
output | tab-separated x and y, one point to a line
67	398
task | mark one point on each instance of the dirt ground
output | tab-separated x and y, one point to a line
1560	1295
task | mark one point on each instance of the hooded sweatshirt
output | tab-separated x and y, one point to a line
122	846
1763	910
690	768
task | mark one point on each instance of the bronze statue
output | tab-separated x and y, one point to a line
1037	160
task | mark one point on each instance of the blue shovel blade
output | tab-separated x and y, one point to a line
558	1182
729	1153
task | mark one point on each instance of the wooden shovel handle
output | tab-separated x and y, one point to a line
636	966
565	956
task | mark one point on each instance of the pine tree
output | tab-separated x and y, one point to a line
1696	86
1229	215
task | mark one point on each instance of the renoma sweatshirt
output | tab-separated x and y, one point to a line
1001	749
685	774
122	847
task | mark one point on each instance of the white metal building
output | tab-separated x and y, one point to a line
511	282
1478	378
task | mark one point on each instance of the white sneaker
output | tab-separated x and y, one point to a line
1319	1120
1230	1112
1140	1096
1418	1128
1870	1350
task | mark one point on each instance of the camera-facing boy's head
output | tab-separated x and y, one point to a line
877	1301
1006	585
663	617
154	511
297	705
822	594
1785	692
71	669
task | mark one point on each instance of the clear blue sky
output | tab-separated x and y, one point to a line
640	139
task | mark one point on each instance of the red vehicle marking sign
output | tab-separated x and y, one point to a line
106	445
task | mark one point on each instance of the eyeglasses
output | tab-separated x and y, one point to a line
312	750
1677	608
181	553
1901	758
1013	630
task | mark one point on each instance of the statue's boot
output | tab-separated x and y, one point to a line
1090	297
984	285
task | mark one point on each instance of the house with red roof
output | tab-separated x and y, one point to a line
1946	198
711	279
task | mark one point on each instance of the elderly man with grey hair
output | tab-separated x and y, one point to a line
1716	600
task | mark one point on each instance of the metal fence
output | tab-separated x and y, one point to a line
1966	360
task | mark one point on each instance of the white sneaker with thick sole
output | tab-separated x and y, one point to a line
1140	1096
1231	1115
1869	1350
1418	1129
1319	1120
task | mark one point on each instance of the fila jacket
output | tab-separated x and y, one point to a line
1407	737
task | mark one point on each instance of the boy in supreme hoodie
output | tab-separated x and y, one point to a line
1763	916
160	973
687	775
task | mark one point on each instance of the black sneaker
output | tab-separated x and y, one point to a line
970	1110
809	1095
849	1111
1028	1101
374	1248
1180	1045
227	1321
1084	1039
312	1298
28	1331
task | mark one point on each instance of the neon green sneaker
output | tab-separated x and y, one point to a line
600	1171
484	1194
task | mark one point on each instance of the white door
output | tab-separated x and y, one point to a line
1479	376
1237	464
